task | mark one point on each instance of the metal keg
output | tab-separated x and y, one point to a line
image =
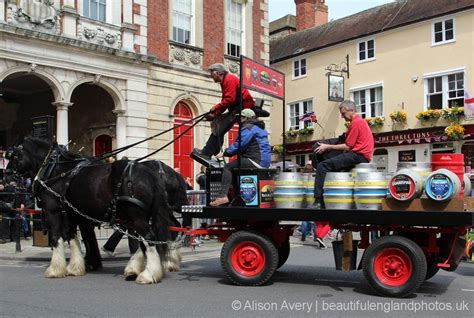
308	183
467	185
422	168
363	167
370	188
442	185
338	190
406	185
289	190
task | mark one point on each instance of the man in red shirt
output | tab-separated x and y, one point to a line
357	148
223	121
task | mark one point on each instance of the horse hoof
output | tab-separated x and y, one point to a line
76	270
171	267
146	277
131	277
93	267
55	273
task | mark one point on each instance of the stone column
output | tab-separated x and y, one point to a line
62	126
121	128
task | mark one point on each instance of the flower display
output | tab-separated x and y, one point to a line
398	116
291	133
452	114
430	114
375	121
306	131
454	131
278	149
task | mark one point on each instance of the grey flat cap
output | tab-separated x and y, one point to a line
217	67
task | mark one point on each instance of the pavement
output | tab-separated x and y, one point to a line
29	252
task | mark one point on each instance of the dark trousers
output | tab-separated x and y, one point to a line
341	162
219	127
227	174
115	238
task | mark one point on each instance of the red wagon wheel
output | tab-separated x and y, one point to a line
249	258
394	266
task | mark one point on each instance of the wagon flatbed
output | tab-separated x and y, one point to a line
377	217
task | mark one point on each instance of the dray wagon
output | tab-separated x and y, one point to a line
412	247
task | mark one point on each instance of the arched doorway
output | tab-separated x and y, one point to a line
91	120
102	144
24	97
184	145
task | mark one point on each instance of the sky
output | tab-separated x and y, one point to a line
337	8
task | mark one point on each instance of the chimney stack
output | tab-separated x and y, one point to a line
310	13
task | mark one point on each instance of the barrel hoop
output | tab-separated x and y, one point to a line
370	183
370	192
338	183
360	200
288	182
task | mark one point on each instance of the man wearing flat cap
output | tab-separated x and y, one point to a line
223	121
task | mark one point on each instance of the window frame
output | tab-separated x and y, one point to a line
293	68
444	87
301	124
229	29
192	15
87	4
368	100
367	59
443	23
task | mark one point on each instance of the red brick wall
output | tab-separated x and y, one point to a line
257	31
158	29
214	32
321	16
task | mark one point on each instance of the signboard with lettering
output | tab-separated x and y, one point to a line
406	156
261	78
43	127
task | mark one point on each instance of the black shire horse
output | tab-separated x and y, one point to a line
124	190
175	187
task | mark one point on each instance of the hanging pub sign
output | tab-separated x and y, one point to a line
43	127
335	88
407	156
261	78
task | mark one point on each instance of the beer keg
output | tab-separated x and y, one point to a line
338	190
442	185
289	190
370	188
406	185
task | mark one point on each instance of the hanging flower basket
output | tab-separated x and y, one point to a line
430	114
398	117
455	131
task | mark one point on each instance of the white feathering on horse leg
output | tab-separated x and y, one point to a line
136	264
172	260
57	267
153	272
76	266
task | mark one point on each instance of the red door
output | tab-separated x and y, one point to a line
103	144
183	146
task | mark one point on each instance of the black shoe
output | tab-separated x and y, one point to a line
198	152
320	242
303	237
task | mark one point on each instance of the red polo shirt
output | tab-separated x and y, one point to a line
359	137
229	87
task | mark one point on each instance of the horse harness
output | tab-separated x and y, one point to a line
52	159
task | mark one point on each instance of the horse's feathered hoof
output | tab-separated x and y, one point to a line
146	277
55	272
76	269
